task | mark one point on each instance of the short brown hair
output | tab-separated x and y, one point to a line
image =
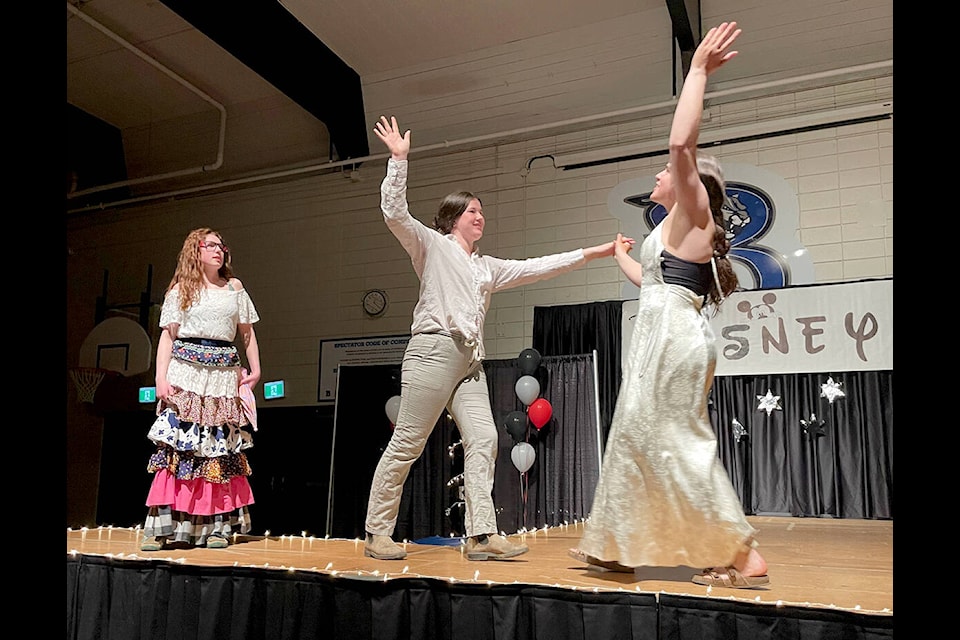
451	207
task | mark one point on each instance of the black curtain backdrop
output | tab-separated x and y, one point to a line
361	432
810	457
558	487
584	328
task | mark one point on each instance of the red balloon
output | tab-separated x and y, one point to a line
539	412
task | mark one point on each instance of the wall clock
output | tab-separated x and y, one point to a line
375	302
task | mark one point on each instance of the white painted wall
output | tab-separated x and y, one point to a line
307	249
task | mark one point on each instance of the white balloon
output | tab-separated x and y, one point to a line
393	409
523	456
528	389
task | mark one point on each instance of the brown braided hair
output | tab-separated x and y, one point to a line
711	175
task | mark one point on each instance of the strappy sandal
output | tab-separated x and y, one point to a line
730	579
609	565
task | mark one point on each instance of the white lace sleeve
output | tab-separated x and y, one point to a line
248	313
171	313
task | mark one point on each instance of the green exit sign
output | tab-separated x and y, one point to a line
148	394
272	390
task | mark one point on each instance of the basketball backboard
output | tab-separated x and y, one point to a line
117	344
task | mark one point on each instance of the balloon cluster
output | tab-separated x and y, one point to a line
538	410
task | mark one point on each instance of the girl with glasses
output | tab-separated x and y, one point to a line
200	493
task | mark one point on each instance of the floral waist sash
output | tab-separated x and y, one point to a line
210	353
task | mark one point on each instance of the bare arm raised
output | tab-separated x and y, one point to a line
691	196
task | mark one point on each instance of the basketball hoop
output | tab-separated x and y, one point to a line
87	381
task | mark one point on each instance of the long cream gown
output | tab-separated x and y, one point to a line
664	498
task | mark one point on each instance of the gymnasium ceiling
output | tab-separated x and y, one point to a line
317	60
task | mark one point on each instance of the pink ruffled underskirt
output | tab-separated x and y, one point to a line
197	496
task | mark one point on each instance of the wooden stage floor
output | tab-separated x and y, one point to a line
813	562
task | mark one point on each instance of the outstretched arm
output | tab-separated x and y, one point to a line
389	132
605	249
712	53
630	267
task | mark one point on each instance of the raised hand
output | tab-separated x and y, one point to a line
713	51
389	132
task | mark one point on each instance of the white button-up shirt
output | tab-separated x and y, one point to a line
455	287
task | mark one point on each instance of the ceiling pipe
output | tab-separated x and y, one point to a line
730	133
183	81
799	80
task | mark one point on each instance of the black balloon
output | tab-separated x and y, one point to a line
529	361
516	425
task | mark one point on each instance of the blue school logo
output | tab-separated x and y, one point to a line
760	219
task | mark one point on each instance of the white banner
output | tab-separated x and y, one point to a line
808	329
333	353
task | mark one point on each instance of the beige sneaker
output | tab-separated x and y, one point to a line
495	548
382	548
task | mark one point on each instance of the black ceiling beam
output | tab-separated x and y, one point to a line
272	42
685	18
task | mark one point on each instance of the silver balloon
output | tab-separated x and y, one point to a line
528	389
393	409
523	456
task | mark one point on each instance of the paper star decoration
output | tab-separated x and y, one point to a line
739	431
831	390
813	428
769	402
